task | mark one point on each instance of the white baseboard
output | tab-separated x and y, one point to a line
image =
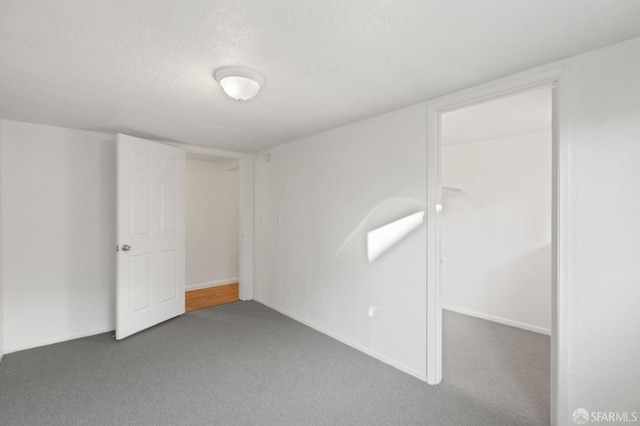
200	286
420	375
499	320
58	340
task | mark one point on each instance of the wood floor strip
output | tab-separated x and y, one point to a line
210	297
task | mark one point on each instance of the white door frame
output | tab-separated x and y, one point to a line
552	77
246	211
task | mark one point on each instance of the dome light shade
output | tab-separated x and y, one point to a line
240	84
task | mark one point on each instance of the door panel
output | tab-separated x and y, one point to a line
168	275
150	287
168	205
140	282
140	206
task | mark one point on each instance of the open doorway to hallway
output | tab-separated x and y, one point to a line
212	231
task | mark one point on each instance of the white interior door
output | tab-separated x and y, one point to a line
151	234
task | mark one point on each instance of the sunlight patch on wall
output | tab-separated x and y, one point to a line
382	239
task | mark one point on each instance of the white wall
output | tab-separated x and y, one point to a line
212	215
325	185
604	293
496	234
58	240
315	200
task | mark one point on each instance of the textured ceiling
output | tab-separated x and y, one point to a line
144	67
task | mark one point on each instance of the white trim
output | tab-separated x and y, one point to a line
553	75
346	341
59	339
246	227
499	320
2	298
197	149
434	199
544	76
218	283
562	143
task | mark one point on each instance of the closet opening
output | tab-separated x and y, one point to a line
497	225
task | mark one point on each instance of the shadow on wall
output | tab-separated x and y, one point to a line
381	240
387	224
380	305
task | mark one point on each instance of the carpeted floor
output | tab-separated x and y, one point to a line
238	364
505	366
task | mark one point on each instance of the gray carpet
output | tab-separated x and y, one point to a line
238	364
505	366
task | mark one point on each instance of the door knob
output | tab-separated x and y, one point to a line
126	247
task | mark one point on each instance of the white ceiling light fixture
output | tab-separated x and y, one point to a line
239	83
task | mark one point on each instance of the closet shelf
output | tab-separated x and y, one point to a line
450	189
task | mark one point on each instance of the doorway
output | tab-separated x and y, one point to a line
150	285
555	78
496	222
212	212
